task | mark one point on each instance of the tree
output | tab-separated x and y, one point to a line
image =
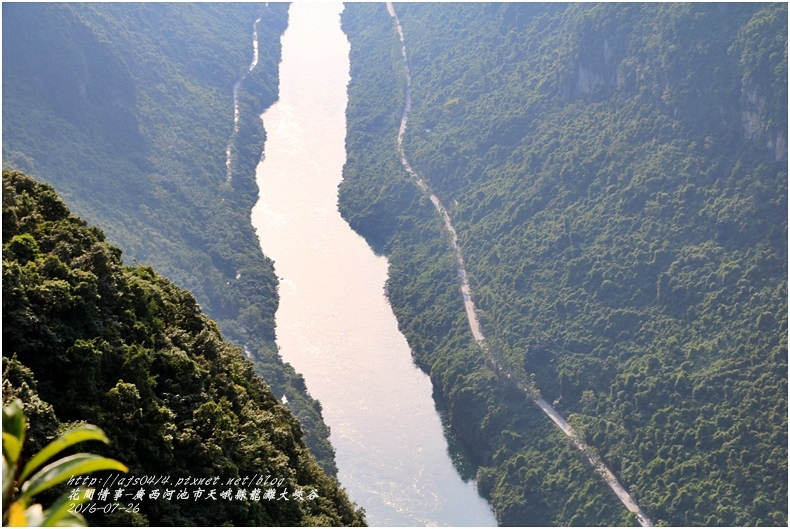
21	484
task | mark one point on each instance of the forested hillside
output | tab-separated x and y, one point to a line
87	338
127	110
617	176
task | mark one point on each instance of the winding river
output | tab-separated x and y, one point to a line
334	324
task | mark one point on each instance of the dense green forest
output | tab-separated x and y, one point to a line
127	110
87	338
617	176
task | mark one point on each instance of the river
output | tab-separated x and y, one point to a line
334	323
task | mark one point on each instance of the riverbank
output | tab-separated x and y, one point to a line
471	311
334	324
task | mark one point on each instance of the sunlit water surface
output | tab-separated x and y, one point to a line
334	324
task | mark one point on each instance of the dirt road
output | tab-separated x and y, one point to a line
471	310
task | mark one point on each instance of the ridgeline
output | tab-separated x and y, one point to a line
87	339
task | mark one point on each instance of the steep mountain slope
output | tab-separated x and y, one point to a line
86	338
127	110
617	176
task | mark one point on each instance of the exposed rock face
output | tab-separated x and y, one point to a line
594	67
754	127
714	83
780	145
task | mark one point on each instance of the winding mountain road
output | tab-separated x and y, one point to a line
232	139
471	310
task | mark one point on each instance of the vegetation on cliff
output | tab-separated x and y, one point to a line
127	110
617	176
86	338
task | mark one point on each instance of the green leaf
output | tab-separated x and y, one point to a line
12	447
8	480
13	428
58	514
63	469
14	419
86	432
